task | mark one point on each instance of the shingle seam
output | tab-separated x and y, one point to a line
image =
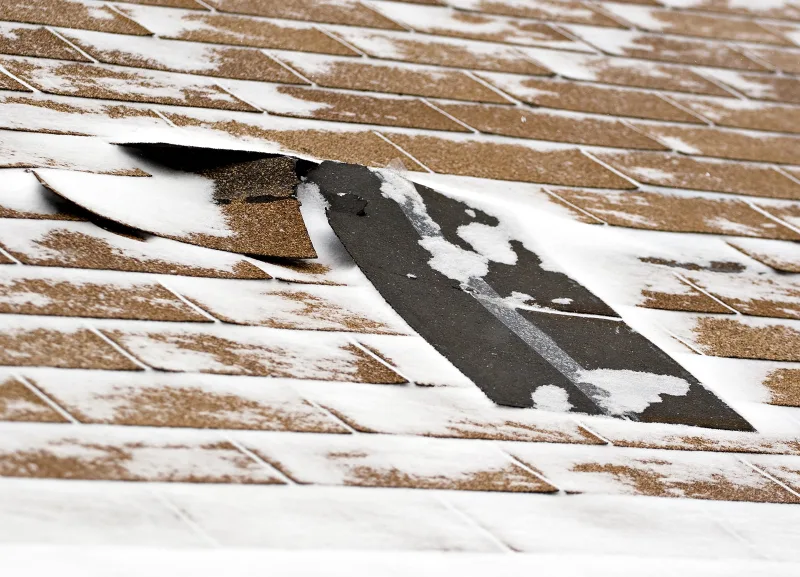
117	348
772	216
385	363
4	70
593	432
764	473
683	341
609	167
71	44
513	459
334	416
195	307
686	281
259	461
669	100
575	206
10	256
110	6
174	509
471	521
408	154
275	59
45	398
341	41
163	117
448	115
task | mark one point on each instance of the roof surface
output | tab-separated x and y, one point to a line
205	358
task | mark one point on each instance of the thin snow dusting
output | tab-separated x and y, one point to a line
551	398
621	392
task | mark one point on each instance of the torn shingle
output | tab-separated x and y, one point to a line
585	97
239	202
18	403
186	401
27	344
70	14
265	353
117	83
83	245
22	40
177	56
505	161
23	197
96	296
675	171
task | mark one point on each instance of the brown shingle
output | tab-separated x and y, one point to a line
744	339
701	25
8	83
99	81
359	147
542	125
759	9
760	296
761	86
723	143
441	51
84	245
656	211
27	345
193	401
572	11
668	49
187	4
256	353
787	212
347	12
33	41
70	14
19	403
585	97
348	107
782	256
55	453
59	295
787	61
508	161
784	387
219	28
393	78
746	113
177	56
680	172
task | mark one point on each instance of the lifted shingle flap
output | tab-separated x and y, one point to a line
438	262
237	201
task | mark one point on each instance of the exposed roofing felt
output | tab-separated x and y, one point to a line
408	276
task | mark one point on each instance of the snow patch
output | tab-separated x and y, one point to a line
624	391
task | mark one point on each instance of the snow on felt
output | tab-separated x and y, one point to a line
181	206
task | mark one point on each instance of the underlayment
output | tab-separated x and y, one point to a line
511	353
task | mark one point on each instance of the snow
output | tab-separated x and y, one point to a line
551	398
622	391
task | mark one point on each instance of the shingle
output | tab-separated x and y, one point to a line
88	453
780	255
189	401
188	4
541	125
665	48
19	403
665	474
756	295
585	97
348	12
625	72
26	344
284	306
784	468
177	56
745	113
460	24
677	171
86	246
556	10
70	14
444	412
677	213
784	387
778	9
8	83
31	150
57	115
217	28
255	352
22	40
388	461
742	338
116	83
760	86
721	143
23	197
357	146
782	59
441	51
504	161
787	212
702	25
393	78
273	228
97	296
345	106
